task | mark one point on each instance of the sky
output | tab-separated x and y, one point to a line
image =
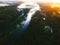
8	0
55	1
26	0
22	0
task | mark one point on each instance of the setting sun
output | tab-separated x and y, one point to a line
55	1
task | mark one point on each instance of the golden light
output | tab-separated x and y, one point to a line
55	4
55	1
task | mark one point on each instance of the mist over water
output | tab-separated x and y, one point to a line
33	8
